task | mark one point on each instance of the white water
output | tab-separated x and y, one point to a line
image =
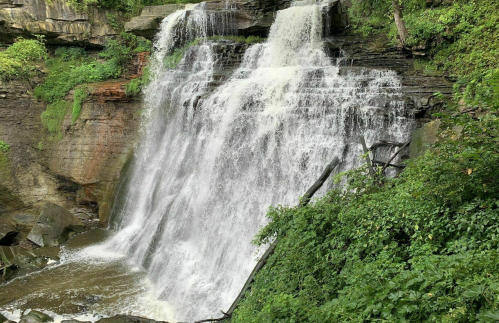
210	164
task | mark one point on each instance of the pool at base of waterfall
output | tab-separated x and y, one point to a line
87	284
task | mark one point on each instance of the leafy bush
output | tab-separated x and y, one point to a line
461	39
4	147
19	60
420	248
70	53
64	76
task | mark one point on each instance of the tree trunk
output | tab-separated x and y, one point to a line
399	22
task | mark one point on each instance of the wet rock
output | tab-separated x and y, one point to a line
48	252
54	226
2	318
35	317
24	219
148	22
7	235
424	137
126	319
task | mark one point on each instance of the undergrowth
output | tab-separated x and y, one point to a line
462	40
72	66
420	248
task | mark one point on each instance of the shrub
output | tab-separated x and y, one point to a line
70	53
19	60
420	248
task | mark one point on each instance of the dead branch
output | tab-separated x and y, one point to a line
395	155
368	159
382	143
318	184
378	162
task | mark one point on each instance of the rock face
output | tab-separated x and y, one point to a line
79	170
248	17
423	137
60	23
94	150
54	226
148	22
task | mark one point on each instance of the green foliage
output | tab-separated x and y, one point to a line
134	87
4	147
420	248
112	20
71	67
462	39
53	117
369	17
80	94
19	60
70	53
64	76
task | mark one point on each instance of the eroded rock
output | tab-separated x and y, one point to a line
54	226
35	317
59	22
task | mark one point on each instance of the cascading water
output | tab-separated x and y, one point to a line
210	164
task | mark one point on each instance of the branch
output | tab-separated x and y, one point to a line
318	184
389	165
395	155
385	143
368	159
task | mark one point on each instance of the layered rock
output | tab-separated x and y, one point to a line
95	148
248	17
56	20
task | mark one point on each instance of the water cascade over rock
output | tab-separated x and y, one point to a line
212	161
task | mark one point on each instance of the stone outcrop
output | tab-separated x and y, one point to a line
147	23
54	226
95	148
56	20
79	170
246	17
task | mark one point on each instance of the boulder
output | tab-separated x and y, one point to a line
54	226
127	319
423	138
35	317
3	318
147	23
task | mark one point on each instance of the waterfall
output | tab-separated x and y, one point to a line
212	161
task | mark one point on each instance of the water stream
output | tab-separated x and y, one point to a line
212	160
